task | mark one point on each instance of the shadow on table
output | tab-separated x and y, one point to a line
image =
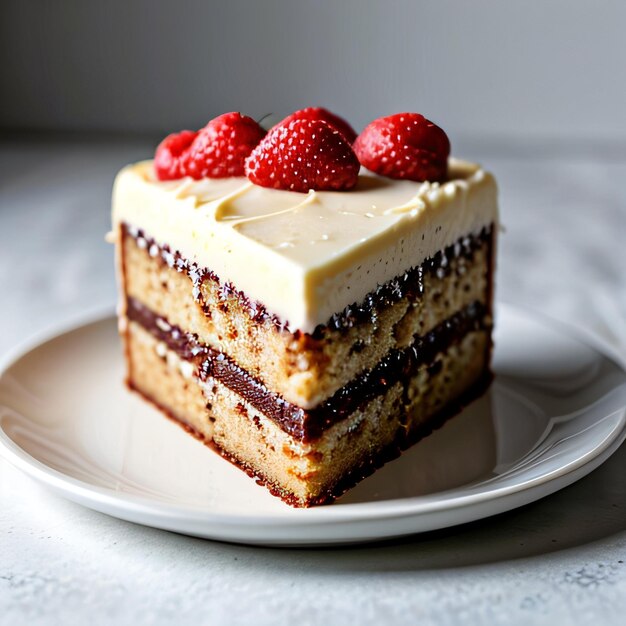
590	510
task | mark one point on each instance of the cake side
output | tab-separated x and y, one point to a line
309	456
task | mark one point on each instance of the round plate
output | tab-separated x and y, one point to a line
555	411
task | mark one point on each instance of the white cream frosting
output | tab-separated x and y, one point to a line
306	256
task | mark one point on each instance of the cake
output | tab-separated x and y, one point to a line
310	331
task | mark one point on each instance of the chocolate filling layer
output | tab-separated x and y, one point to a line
408	285
306	425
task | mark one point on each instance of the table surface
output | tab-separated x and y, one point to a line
561	560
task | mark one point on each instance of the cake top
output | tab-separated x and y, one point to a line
306	256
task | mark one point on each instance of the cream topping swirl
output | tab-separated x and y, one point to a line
306	256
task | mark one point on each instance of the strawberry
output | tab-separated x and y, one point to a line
303	155
404	145
170	155
221	147
320	113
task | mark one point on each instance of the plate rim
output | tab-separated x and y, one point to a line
84	492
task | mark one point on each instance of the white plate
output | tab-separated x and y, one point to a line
555	412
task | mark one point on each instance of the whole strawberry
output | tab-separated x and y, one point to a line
320	113
406	146
171	153
303	155
221	147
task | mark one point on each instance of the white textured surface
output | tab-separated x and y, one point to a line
558	561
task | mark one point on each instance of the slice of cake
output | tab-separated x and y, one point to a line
309	337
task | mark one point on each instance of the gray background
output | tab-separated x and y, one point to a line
487	68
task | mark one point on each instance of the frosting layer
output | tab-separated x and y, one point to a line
306	256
